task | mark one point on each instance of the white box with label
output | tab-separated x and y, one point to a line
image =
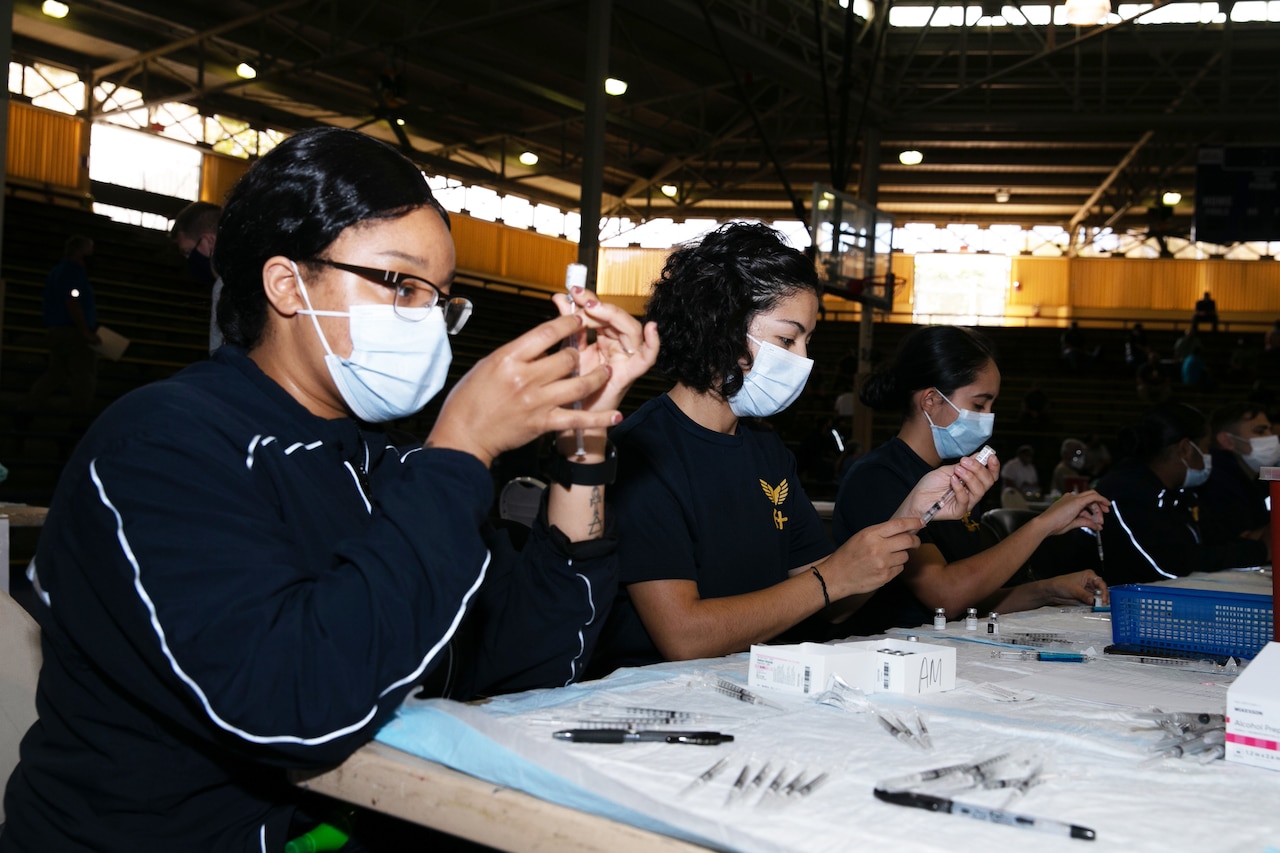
875	666
904	667
1253	711
804	668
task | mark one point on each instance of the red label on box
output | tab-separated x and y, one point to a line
1256	742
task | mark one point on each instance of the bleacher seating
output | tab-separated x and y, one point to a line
144	294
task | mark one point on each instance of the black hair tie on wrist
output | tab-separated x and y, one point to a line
826	599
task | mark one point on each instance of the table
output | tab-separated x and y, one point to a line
397	783
1097	751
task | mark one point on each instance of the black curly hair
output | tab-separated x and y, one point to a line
295	202
707	295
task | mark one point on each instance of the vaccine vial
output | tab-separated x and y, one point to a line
971	619
993	622
1097	598
939	620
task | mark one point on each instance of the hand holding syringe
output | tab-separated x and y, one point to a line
981	458
575	276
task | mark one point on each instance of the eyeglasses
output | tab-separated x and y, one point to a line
413	296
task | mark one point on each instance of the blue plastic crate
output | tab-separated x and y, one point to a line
1204	622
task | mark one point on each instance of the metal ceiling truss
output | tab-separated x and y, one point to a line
742	104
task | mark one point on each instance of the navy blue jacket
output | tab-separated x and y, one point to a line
1153	533
236	586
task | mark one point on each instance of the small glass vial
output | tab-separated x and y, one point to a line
939	620
1097	598
993	622
971	619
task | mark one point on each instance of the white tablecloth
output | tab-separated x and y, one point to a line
1080	718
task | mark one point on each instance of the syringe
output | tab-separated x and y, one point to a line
575	275
981	458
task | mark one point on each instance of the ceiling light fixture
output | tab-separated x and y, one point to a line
54	9
1002	196
246	71
670	190
911	157
528	158
614	86
1087	13
1171	198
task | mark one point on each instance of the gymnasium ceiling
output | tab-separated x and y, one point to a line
742	104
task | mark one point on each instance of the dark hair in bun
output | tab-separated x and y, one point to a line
942	357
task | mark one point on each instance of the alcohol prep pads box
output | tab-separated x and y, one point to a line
804	668
1253	711
876	666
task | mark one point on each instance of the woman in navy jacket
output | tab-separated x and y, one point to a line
242	575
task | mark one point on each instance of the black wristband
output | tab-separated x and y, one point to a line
569	473
826	599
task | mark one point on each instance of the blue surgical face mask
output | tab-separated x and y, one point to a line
1197	476
969	431
396	366
774	382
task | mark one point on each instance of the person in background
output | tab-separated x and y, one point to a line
1196	374
1153	379
719	545
1188	343
1076	353
1271	347
1206	311
1020	472
195	233
1135	346
1035	406
943	381
1072	464
240	574
1097	456
71	321
1233	502
1242	363
1154	533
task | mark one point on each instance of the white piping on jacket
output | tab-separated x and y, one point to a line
582	643
1115	510
147	602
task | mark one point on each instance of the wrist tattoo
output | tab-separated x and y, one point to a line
596	526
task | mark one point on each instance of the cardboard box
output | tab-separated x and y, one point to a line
875	666
1253	712
911	668
805	668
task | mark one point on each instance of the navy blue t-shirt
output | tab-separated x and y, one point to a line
68	280
874	488
726	511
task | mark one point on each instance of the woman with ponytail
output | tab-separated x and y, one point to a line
944	381
1154	504
719	546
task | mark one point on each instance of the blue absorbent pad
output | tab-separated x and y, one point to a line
469	738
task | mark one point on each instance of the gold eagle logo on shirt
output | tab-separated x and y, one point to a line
777	495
